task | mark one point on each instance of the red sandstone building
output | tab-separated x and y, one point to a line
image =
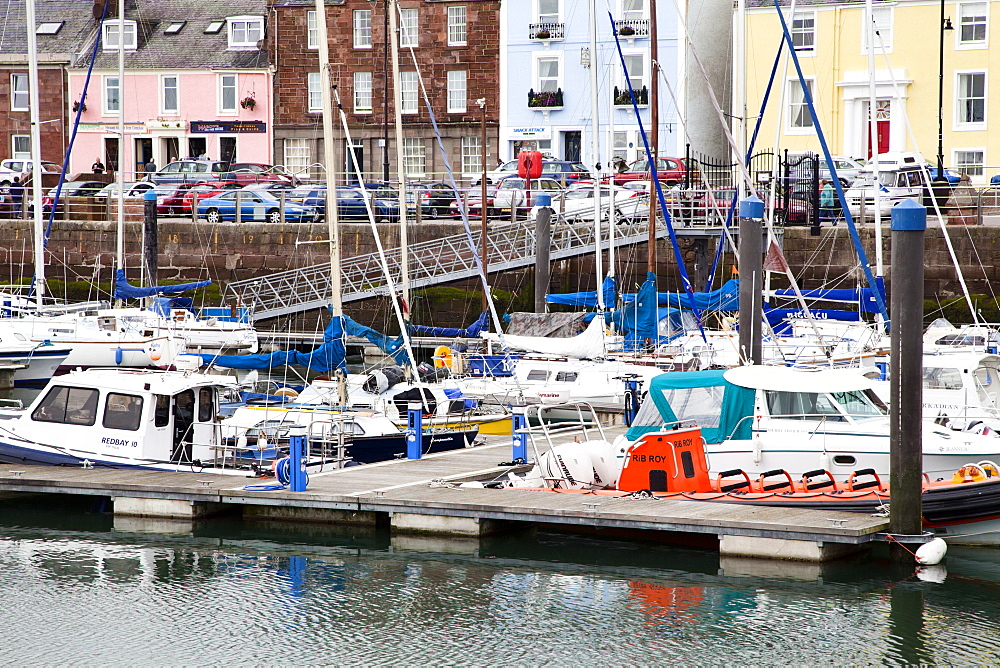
456	44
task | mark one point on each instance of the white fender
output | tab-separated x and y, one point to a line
931	553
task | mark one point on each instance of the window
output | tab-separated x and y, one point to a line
472	155
456	92
112	95
798	110
68	405
245	31
110	36
548	11
635	66
408	92
206	398
20	147
970	162
297	157
362	28
161	413
315	94
407	27
972	24
50	28
620	148
801	406
413	156
312	30
457	26
19	92
882	18
633	10
214	27
547	74
227	93
168	83
971	98
363	91
122	411
804	31
174	28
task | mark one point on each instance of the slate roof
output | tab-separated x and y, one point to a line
191	48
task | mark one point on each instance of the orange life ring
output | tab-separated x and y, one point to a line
443	357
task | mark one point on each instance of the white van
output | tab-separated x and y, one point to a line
900	177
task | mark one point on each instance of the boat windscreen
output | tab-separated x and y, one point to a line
860	403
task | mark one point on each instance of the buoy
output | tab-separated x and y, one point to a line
442	357
931	553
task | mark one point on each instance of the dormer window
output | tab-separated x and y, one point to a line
245	31
111	30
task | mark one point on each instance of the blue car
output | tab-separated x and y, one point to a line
255	205
350	201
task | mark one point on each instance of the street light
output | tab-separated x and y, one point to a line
944	25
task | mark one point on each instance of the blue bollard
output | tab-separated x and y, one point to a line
519	442
415	430
298	479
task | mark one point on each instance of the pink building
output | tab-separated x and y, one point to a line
196	82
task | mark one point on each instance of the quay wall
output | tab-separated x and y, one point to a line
85	250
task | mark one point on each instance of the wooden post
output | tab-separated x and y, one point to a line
751	279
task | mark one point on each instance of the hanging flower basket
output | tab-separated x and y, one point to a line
77	106
248	103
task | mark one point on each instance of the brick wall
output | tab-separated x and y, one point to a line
51	82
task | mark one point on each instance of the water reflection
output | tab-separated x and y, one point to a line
278	593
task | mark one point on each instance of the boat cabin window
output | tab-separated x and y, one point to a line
68	405
801	406
122	411
860	403
107	323
961	340
161	415
206	404
567	376
942	379
538	374
701	404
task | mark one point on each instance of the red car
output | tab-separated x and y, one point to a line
245	173
204	190
170	198
668	170
474	197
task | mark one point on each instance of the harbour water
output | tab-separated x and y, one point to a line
80	587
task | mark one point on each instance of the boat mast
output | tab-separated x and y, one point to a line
120	176
595	143
36	153
331	212
397	101
654	121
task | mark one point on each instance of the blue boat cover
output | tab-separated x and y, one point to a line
862	296
327	357
720	416
470	332
587	299
640	317
124	290
726	298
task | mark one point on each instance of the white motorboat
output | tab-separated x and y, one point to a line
38	361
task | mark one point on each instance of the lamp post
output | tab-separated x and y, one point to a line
940	181
482	204
385	94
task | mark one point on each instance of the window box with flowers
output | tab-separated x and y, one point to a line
248	102
543	34
626	31
545	99
623	99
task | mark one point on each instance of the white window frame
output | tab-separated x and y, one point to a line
632	15
959	124
361	28
547	55
223	86
547	18
314	95
458	92
804	16
409	28
233	23
796	102
961	167
312	30
885	21
622	84
105	89
296	155
458	25
130	29
362	92
20	139
472	156
20	98
164	109
414	156
409	89
984	43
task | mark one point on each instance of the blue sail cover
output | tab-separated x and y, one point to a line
726	298
861	296
329	356
609	288
124	290
470	332
640	317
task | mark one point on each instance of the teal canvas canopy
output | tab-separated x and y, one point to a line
723	411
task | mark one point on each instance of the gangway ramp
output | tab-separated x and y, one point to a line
510	246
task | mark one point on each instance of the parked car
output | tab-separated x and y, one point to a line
246	173
800	168
132	189
563	171
506	169
576	203
668	170
350	201
170	198
436	198
16	167
199	191
473	198
253	206
190	171
69	189
272	186
513	192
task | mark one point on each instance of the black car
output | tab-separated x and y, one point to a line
435	198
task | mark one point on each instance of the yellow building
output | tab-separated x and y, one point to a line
832	44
